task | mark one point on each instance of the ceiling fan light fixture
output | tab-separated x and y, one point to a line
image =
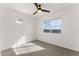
39	11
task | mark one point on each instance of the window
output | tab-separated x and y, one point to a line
52	26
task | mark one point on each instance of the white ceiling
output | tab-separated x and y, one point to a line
29	8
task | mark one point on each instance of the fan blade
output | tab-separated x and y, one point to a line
34	12
36	5
45	10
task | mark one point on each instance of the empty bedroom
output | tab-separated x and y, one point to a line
39	29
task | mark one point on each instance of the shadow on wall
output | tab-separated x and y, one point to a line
21	41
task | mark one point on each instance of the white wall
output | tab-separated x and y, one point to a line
69	37
0	31
12	32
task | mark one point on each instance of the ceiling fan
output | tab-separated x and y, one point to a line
39	9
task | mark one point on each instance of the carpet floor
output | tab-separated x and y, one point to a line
50	50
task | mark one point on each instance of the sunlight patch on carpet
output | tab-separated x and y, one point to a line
27	48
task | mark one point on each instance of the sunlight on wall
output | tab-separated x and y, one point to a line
21	41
